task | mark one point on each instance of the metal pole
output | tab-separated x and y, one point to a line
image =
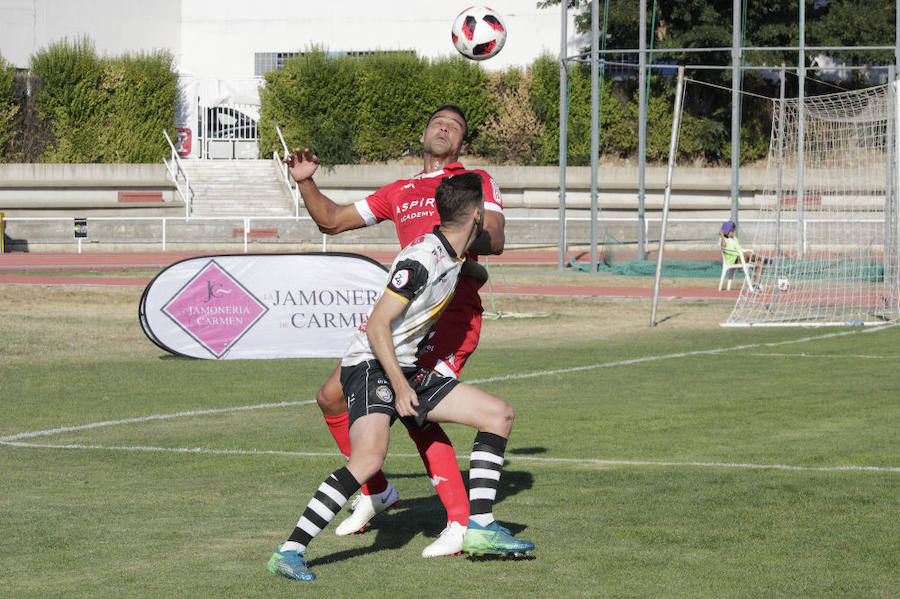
801	133
780	111
595	117
673	147
642	128
894	114
889	178
563	131
735	107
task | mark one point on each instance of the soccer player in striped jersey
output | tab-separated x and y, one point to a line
382	382
410	205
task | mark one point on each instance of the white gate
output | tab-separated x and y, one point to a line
228	131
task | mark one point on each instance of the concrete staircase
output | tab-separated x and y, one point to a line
237	188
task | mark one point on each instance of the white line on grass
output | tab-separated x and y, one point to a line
860	356
68	429
510	458
13	440
700	352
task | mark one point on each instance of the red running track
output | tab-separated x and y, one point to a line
11	265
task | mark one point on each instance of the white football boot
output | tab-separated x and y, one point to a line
449	542
364	509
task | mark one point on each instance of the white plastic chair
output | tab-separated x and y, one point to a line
728	269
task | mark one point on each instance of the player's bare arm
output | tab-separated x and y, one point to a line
378	330
330	217
492	238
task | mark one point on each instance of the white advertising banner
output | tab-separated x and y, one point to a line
261	306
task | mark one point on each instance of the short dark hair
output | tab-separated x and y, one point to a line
457	110
457	195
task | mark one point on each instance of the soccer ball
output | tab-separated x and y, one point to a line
783	284
478	33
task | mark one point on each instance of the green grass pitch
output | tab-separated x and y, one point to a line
683	460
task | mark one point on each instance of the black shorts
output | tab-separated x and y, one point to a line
368	390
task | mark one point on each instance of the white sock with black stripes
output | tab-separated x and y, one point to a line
328	500
484	476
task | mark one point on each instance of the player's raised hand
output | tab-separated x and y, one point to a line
302	164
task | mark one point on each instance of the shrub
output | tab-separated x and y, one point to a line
71	99
512	133
8	108
388	115
104	110
141	94
349	109
313	101
618	117
462	82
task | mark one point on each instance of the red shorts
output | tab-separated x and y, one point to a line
455	335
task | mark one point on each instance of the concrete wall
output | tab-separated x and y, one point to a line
530	194
89	189
64	186
537	188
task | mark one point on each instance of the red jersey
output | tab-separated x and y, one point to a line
409	203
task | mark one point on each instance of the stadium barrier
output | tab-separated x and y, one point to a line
289	233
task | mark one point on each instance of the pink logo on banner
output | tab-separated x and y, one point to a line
215	309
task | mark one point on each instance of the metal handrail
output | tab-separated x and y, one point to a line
292	186
246	222
174	166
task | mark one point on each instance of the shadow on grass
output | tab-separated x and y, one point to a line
426	515
670	317
527	450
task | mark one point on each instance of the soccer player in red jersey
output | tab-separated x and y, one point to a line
410	204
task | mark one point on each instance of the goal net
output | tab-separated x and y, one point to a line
827	224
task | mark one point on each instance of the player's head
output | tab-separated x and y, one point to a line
445	131
728	228
459	199
452	111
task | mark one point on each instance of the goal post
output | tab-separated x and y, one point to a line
831	255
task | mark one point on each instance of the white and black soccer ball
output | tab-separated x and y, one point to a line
478	33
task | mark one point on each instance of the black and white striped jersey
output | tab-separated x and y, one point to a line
424	276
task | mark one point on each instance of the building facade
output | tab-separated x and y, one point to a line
222	48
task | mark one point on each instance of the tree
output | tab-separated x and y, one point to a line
765	23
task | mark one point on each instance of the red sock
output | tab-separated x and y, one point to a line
440	463
340	430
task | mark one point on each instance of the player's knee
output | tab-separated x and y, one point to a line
331	400
502	421
365	466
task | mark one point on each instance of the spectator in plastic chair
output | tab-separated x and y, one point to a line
732	248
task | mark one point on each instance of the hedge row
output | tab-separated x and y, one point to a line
373	108
87	108
84	108
8	106
367	109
